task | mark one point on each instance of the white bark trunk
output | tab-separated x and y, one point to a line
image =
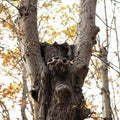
106	107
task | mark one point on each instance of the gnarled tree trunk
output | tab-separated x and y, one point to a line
57	80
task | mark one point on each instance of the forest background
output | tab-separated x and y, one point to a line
57	20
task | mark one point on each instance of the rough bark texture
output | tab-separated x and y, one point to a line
63	99
30	47
107	115
58	71
24	93
86	37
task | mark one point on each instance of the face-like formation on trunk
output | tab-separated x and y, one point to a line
55	51
57	57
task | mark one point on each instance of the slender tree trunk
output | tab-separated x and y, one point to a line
24	92
106	107
29	43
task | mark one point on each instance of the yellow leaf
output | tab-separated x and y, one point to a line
5	62
15	2
70	31
50	41
46	17
54	33
9	25
89	104
0	9
47	4
64	7
5	6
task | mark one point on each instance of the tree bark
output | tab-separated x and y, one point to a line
24	92
29	42
86	37
57	80
106	107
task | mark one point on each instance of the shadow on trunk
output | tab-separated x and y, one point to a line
60	95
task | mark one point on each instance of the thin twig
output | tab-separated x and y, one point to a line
116	1
104	22
15	65
107	63
11	4
3	106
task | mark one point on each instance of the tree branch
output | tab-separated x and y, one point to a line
30	47
85	40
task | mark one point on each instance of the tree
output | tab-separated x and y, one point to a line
106	104
57	80
105	89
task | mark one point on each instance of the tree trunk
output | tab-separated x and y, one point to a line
106	107
86	37
24	93
29	43
30	48
56	79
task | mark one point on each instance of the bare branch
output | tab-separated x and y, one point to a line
3	106
11	4
116	1
86	36
107	63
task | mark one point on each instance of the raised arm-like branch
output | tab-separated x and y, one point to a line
30	48
85	40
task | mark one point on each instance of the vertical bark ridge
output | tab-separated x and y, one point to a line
86	35
65	80
107	113
30	48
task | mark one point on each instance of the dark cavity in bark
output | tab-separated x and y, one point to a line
59	95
